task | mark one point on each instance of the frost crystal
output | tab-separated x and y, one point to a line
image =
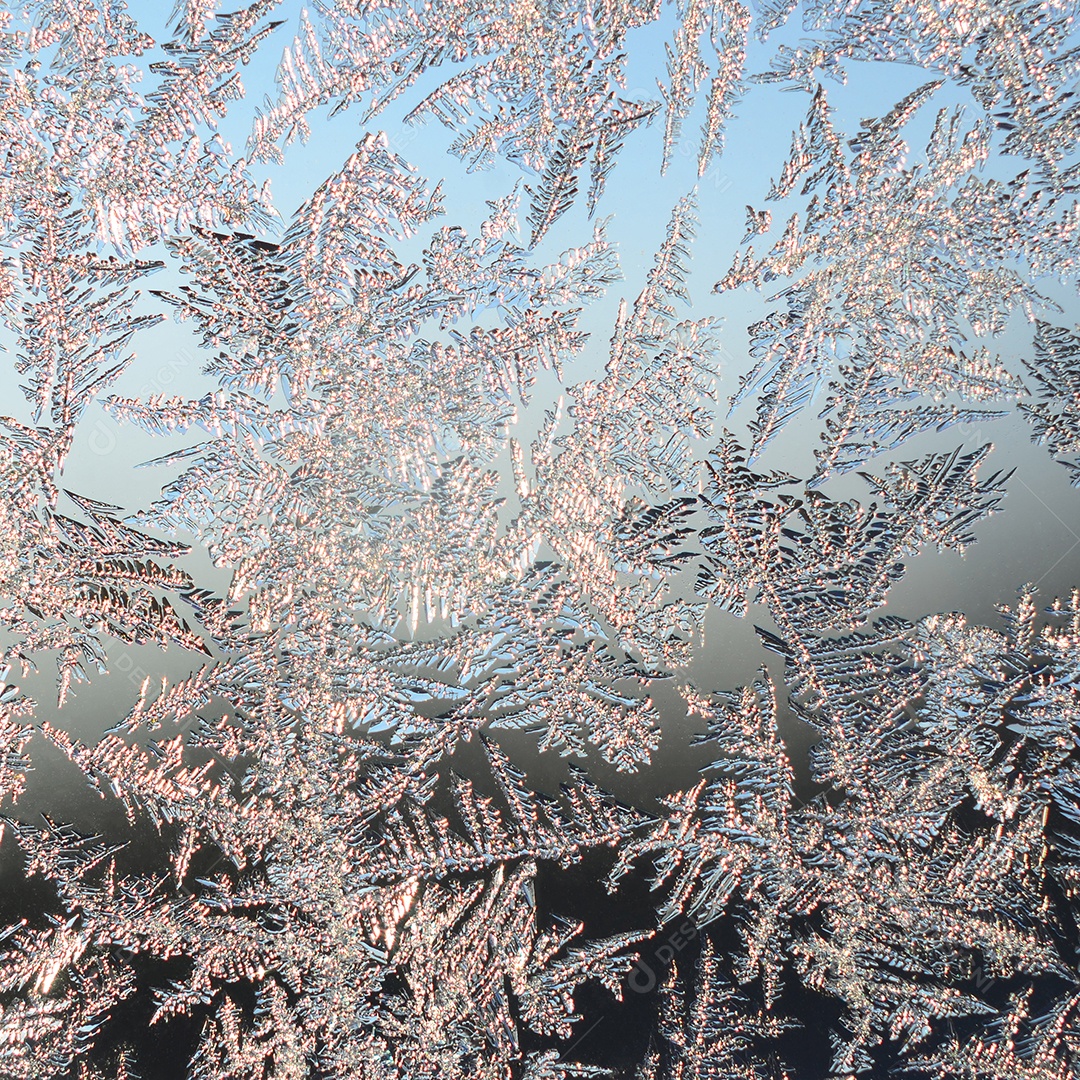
445	528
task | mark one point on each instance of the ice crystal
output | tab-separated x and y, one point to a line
439	562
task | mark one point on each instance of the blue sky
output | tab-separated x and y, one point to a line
1032	540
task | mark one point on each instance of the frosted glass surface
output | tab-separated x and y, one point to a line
538	540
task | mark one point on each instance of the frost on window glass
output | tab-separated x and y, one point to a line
538	539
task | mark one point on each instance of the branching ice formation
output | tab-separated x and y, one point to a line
331	860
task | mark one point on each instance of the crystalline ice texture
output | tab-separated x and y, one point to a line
348	872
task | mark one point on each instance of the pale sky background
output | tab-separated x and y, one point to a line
1035	538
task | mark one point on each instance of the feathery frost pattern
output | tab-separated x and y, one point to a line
445	537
